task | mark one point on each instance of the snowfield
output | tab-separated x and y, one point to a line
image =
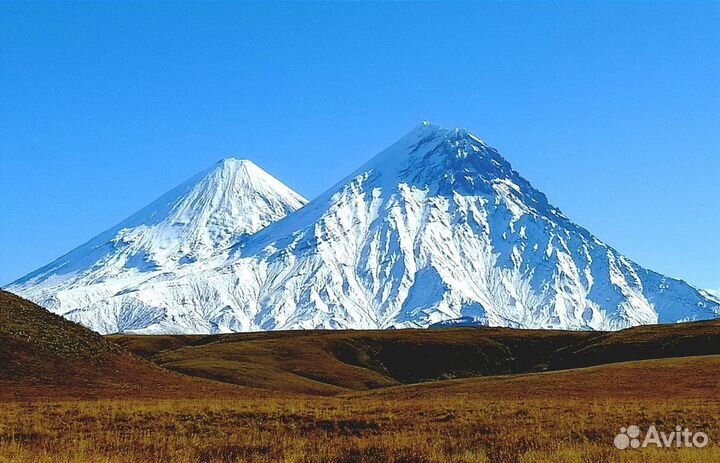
436	230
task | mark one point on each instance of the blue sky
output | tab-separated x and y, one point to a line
611	108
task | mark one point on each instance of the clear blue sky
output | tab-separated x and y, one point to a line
611	108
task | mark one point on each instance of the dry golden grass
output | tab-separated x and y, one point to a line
311	429
477	420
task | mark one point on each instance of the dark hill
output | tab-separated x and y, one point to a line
329	362
642	343
44	355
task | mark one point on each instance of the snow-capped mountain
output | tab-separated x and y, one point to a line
194	221
436	230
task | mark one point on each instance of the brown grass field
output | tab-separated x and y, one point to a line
412	396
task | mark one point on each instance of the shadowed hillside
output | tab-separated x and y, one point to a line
692	378
44	355
641	343
329	362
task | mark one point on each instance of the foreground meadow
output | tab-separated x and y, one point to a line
565	416
420	429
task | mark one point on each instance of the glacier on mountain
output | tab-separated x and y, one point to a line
436	230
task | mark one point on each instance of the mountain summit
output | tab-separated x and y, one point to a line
439	227
192	222
436	229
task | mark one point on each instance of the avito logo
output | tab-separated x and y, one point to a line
630	437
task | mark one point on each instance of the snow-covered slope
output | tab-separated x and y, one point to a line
436	228
196	220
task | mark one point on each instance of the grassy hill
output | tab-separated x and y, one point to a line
642	343
45	355
688	378
40	351
330	362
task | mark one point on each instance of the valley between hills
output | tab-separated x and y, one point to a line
440	395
